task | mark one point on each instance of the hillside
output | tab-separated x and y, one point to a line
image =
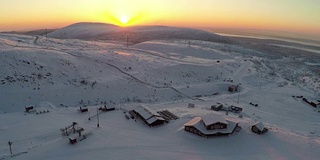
136	34
60	75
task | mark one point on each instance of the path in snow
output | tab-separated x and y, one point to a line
161	55
120	70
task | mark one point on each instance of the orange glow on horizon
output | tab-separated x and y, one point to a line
285	15
124	20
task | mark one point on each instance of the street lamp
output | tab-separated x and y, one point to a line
98	117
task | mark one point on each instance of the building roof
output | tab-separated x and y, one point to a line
230	127
154	119
72	137
145	112
149	116
259	125
196	122
193	121
210	119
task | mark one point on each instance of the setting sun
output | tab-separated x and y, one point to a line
124	20
286	15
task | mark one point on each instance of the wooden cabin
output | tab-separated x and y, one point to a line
217	107
310	103
106	109
72	139
214	122
233	88
211	125
259	128
191	105
149	117
82	110
28	108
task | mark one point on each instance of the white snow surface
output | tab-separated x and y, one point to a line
60	75
212	119
132	35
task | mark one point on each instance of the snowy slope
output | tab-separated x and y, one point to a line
136	34
59	74
83	30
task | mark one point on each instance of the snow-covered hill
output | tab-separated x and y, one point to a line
60	75
137	34
84	31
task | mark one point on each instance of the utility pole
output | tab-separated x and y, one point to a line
98	117
238	93
73	127
10	143
46	33
127	41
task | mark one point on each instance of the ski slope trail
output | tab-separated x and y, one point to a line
164	56
119	69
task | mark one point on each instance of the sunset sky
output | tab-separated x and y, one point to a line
297	16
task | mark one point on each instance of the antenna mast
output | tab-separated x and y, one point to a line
46	33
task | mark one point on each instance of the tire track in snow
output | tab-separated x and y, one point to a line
145	83
159	54
119	69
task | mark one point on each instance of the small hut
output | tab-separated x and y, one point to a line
259	128
106	109
233	88
191	105
29	108
217	107
72	139
82	110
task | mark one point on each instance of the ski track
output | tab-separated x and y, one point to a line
159	54
162	144
120	70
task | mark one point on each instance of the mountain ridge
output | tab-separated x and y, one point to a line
135	34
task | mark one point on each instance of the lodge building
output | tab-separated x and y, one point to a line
148	116
211	125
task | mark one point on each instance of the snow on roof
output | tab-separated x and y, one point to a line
212	119
72	137
159	118
153	119
145	113
193	121
230	127
259	125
